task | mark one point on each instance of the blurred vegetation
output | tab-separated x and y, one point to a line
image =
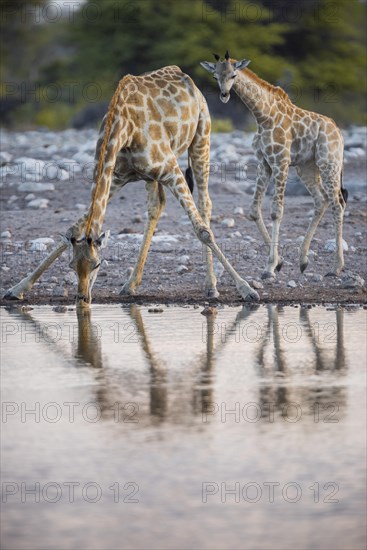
58	68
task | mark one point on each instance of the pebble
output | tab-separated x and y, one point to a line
184	260
5	157
36	187
292	284
330	245
80	206
238	210
38	203
257	285
155	310
228	222
352	281
60	291
60	309
182	269
317	278
41	244
30	197
5	235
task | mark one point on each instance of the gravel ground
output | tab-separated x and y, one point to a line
174	271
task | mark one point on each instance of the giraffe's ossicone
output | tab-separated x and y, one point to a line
287	136
151	121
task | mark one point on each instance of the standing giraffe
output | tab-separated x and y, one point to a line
287	136
151	121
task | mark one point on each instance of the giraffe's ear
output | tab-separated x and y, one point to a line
242	64
208	66
102	240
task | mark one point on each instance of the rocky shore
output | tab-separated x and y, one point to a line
45	180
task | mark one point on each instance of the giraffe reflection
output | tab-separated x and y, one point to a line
304	372
279	391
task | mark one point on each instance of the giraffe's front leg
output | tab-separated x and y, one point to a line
280	174
255	214
156	203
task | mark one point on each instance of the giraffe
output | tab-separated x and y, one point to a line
287	136
152	120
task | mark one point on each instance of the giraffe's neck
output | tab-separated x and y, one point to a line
115	137
257	94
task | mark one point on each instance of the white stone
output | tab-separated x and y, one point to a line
30	196
183	260
44	240
182	269
292	284
5	157
238	210
40	247
38	203
228	222
80	206
5	235
330	245
83	158
52	172
41	244
36	187
257	285
352	281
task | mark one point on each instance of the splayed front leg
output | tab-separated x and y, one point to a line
17	291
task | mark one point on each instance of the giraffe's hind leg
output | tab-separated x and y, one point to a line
331	178
177	184
156	203
310	176
199	153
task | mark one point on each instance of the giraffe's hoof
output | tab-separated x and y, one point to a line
331	274
9	295
268	275
280	265
127	291
211	293
248	294
303	266
252	297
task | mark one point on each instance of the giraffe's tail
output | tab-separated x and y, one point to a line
189	177
343	191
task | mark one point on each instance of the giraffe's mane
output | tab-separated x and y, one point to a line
278	92
107	132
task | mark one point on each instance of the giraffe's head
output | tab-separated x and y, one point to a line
225	73
86	263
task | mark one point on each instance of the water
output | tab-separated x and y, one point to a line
174	430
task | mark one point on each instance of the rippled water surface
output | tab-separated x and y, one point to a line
129	429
